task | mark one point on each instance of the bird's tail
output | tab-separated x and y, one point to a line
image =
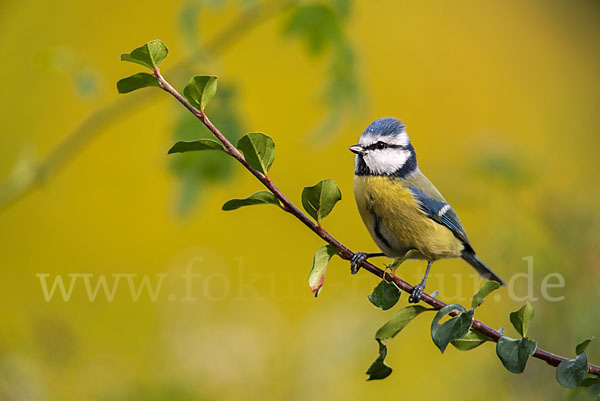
481	268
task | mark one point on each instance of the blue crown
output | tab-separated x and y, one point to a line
385	126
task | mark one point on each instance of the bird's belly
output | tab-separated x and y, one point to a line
396	223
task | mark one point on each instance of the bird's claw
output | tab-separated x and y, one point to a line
356	260
417	292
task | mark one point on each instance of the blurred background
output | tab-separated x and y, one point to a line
501	102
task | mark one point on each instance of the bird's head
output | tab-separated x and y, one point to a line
384	149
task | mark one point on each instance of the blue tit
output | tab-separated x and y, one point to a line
405	214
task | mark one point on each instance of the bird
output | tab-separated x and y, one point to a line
407	217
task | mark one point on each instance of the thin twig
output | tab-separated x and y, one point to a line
343	251
11	191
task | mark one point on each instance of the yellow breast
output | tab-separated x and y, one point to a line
396	223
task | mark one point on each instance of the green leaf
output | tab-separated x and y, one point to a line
316	277
192	146
472	340
258	150
200	90
384	295
452	329
399	321
136	81
486	289
319	200
571	372
149	55
379	369
521	318
582	346
515	353
594	391
258	198
590	381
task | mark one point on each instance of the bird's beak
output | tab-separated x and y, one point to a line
357	149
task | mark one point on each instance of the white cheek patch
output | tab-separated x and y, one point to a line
395	140
386	161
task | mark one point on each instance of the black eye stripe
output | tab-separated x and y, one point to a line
383	145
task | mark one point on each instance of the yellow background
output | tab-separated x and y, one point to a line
501	103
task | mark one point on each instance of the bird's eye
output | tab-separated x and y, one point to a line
380	145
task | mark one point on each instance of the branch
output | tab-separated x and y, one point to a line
17	186
343	251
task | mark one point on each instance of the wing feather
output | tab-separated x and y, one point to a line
442	213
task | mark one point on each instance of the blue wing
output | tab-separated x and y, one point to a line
442	213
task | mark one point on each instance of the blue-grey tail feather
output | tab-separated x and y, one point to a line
481	267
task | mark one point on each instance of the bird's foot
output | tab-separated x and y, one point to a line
417	292
418	289
356	260
360	257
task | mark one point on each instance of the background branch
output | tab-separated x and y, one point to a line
343	251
